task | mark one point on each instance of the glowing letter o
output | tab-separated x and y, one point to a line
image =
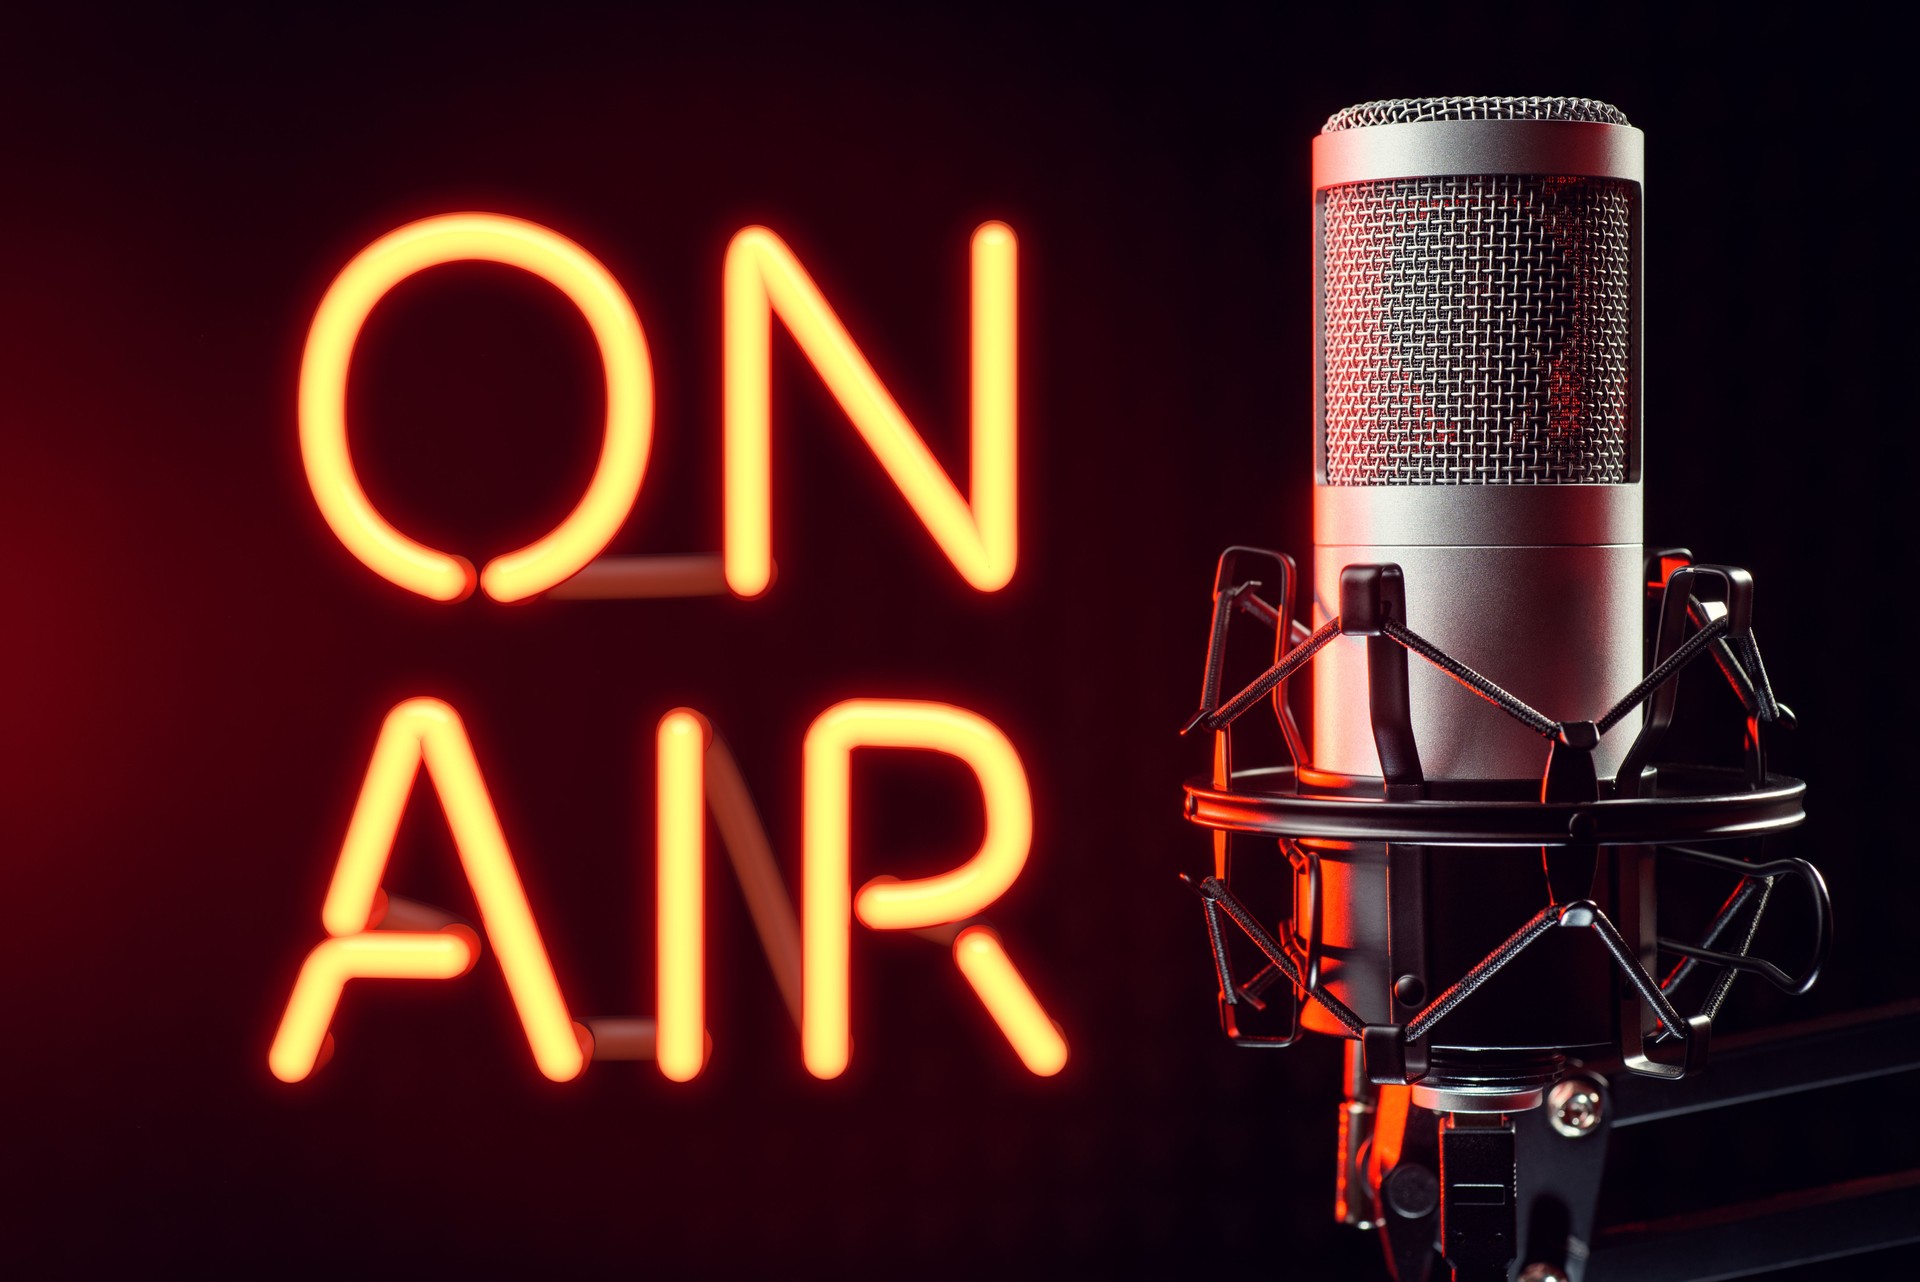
494	238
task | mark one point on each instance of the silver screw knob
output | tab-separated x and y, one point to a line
1574	1106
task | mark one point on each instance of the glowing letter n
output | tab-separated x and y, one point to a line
763	279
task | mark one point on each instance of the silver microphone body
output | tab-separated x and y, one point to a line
1477	423
1478	418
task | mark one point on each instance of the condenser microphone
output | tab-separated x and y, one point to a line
1474	822
1477	425
1477	413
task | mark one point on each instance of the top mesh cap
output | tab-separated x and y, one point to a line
1476	329
1407	111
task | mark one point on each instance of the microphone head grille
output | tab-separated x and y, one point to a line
1407	111
1477	330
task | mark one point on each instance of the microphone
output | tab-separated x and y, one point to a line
1478	411
1473	837
1477	425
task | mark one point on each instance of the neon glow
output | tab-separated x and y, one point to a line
977	531
979	535
684	772
891	903
609	496
1035	1038
429	733
885	904
374	954
681	851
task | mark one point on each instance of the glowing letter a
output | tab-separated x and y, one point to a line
416	733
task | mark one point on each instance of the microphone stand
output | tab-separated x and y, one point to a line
1563	1156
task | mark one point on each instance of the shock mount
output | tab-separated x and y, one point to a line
1436	1082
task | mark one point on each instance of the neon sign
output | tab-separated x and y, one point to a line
763	279
371	935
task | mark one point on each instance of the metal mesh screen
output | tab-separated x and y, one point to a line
1476	330
1407	111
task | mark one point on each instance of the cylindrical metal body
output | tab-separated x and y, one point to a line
1477	412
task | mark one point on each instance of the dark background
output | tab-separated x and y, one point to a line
197	669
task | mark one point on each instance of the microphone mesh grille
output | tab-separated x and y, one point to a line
1407	111
1476	330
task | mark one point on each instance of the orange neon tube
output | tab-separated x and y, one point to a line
892	904
374	954
609	313
680	824
919	902
979	535
429	733
1036	1039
